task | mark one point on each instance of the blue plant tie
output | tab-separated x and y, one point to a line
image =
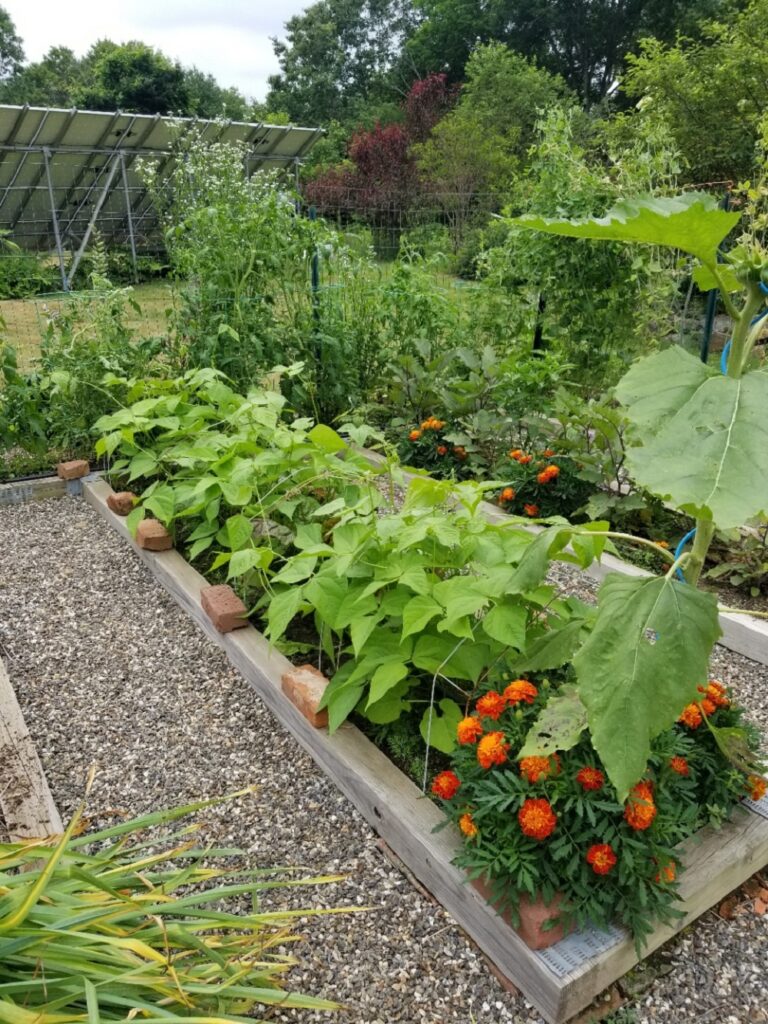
679	550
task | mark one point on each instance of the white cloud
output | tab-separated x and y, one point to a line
229	39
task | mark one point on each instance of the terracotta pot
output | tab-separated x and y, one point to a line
534	914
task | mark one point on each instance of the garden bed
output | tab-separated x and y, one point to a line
560	981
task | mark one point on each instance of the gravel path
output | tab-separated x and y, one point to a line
108	669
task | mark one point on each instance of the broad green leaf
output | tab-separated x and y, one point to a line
706	280
390	708
705	436
249	558
418	612
142	464
161	502
558	727
506	624
296	569
283	606
733	743
640	666
438	727
459	597
384	678
451	658
199	547
134	517
552	650
239	531
360	630
327	594
327	439
425	492
341	704
533	566
235	494
692	222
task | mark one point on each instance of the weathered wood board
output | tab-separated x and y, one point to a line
28	808
559	981
18	492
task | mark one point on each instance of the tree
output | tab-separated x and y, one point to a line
337	57
206	98
583	40
50	82
710	92
11	47
132	77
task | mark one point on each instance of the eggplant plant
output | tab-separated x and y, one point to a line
701	444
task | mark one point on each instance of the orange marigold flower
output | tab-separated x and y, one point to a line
491	705
468	826
508	494
446	785
640	810
442	450
469	730
601	858
531	510
535	768
662	544
691	716
438	424
708	706
520	691
668	873
547	474
460	452
414	435
757	786
537	819
679	765
492	749
590	778
715	692
548	453
516	453
524	459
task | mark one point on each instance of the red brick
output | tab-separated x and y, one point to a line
533	916
153	536
304	687
121	502
73	470
223	607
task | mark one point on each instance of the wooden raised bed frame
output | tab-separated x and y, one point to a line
560	981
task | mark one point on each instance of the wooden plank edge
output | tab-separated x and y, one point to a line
18	492
716	861
29	810
742	633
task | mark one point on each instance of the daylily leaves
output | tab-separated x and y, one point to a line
640	666
704	436
692	222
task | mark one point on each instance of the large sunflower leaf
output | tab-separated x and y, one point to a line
692	222
705	436
641	665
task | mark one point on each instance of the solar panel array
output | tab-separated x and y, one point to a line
60	167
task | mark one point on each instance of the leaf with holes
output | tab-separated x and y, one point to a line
640	666
705	436
558	727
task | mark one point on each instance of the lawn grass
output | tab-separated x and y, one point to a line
26	319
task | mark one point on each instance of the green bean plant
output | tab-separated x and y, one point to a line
698	441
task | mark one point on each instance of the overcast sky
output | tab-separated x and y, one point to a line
226	38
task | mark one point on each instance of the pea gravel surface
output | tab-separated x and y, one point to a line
109	670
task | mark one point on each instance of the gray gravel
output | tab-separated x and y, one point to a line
108	669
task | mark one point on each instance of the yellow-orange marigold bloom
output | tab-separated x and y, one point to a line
442	450
679	765
468	826
601	858
414	435
516	453
508	494
668	873
491	705
640	810
469	730
520	691
446	785
531	510
708	706
537	819
662	544
548	453
460	452
535	768
590	778
547	474
492	749
715	692
525	459
757	787
691	716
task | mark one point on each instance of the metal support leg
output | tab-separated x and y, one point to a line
55	217
131	234
96	211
